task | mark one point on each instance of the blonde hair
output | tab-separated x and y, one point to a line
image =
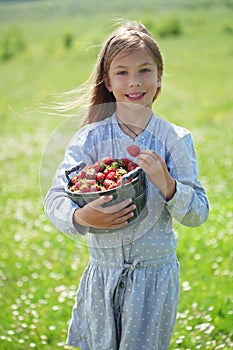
129	36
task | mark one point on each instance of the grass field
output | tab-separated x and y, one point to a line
48	48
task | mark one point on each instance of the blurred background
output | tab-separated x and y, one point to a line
48	47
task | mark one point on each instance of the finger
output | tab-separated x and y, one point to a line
119	207
118	226
123	218
111	209
122	221
146	156
100	201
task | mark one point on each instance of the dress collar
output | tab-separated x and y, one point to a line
149	128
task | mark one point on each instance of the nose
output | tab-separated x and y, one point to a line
134	80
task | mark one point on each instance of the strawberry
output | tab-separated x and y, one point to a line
133	150
124	162
81	175
103	175
90	182
131	166
114	185
108	184
73	181
97	167
107	161
119	180
84	189
100	177
111	175
76	186
89	172
94	188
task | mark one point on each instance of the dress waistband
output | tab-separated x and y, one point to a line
136	264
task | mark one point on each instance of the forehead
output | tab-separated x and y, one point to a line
140	55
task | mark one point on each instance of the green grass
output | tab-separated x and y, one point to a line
40	268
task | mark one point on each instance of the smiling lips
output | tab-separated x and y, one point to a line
135	96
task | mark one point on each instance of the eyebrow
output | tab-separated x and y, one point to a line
141	65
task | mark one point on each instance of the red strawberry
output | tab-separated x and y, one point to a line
76	186
131	166
85	189
118	183
114	185
133	150
111	175
94	188
81	175
73	181
97	166
90	182
124	161
108	184
100	177
108	170
107	161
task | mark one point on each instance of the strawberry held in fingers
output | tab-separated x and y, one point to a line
133	150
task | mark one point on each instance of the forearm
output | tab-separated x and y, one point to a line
169	188
189	205
60	211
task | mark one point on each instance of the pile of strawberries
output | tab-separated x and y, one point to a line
105	174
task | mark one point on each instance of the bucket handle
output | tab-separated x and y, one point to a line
80	165
132	174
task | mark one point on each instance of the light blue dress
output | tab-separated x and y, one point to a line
128	294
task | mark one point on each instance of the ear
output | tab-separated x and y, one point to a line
159	82
107	84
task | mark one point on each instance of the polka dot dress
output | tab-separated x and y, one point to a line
128	295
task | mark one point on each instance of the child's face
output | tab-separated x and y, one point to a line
133	78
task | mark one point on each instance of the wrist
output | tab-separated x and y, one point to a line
170	189
77	218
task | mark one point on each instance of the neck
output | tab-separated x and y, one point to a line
133	123
133	115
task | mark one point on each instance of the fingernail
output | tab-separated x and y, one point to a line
108	197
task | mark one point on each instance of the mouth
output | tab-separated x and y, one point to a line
135	96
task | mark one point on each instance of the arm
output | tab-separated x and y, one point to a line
111	217
66	216
184	197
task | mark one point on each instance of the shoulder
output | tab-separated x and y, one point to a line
169	129
91	131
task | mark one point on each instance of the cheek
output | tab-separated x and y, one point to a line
116	85
152	81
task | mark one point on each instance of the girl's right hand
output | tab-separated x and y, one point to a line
95	215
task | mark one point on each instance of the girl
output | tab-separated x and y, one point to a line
128	294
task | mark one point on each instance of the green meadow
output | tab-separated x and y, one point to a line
49	47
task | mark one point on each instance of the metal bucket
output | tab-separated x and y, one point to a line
135	189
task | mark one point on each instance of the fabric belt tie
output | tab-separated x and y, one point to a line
136	264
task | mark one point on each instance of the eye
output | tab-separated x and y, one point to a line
145	70
122	72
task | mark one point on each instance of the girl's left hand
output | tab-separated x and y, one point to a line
156	170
